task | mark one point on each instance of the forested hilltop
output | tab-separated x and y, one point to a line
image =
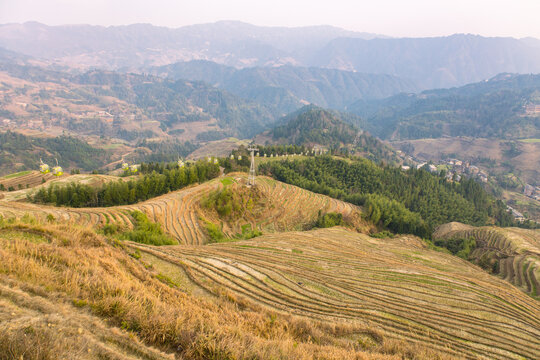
414	201
313	126
496	108
155	181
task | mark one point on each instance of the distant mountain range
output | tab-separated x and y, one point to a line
436	62
227	42
504	107
290	87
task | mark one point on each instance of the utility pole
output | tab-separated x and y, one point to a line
251	177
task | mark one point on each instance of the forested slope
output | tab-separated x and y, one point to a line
407	202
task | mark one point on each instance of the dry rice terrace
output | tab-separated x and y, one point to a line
517	251
320	294
397	286
25	179
287	208
67	293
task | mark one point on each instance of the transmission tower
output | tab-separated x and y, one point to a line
251	177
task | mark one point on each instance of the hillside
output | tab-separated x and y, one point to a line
511	253
126	106
498	157
19	152
401	288
412	201
329	293
289	87
314	126
490	109
86	297
181	215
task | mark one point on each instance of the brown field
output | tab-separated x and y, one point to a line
181	216
28	180
66	292
515	251
219	148
396	285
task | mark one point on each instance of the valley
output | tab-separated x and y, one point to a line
228	191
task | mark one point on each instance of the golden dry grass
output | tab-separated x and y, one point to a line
67	277
397	286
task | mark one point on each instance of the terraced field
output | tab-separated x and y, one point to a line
395	285
181	216
514	252
26	179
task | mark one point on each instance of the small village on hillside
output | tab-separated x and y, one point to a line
456	168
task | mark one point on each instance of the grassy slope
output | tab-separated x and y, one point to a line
56	281
517	252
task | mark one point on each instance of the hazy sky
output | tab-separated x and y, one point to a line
517	18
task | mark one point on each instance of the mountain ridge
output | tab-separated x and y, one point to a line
289	87
431	62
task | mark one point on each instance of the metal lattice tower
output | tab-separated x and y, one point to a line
251	177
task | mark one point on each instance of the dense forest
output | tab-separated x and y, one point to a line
156	180
16	149
414	201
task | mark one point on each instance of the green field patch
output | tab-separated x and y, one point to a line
279	287
530	140
227	181
112	146
170	272
16	175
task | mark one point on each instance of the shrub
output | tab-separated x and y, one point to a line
329	220
145	231
458	247
215	233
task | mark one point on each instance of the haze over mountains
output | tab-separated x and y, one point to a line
428	62
290	87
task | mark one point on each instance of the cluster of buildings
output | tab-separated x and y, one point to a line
532	191
455	168
516	214
532	109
